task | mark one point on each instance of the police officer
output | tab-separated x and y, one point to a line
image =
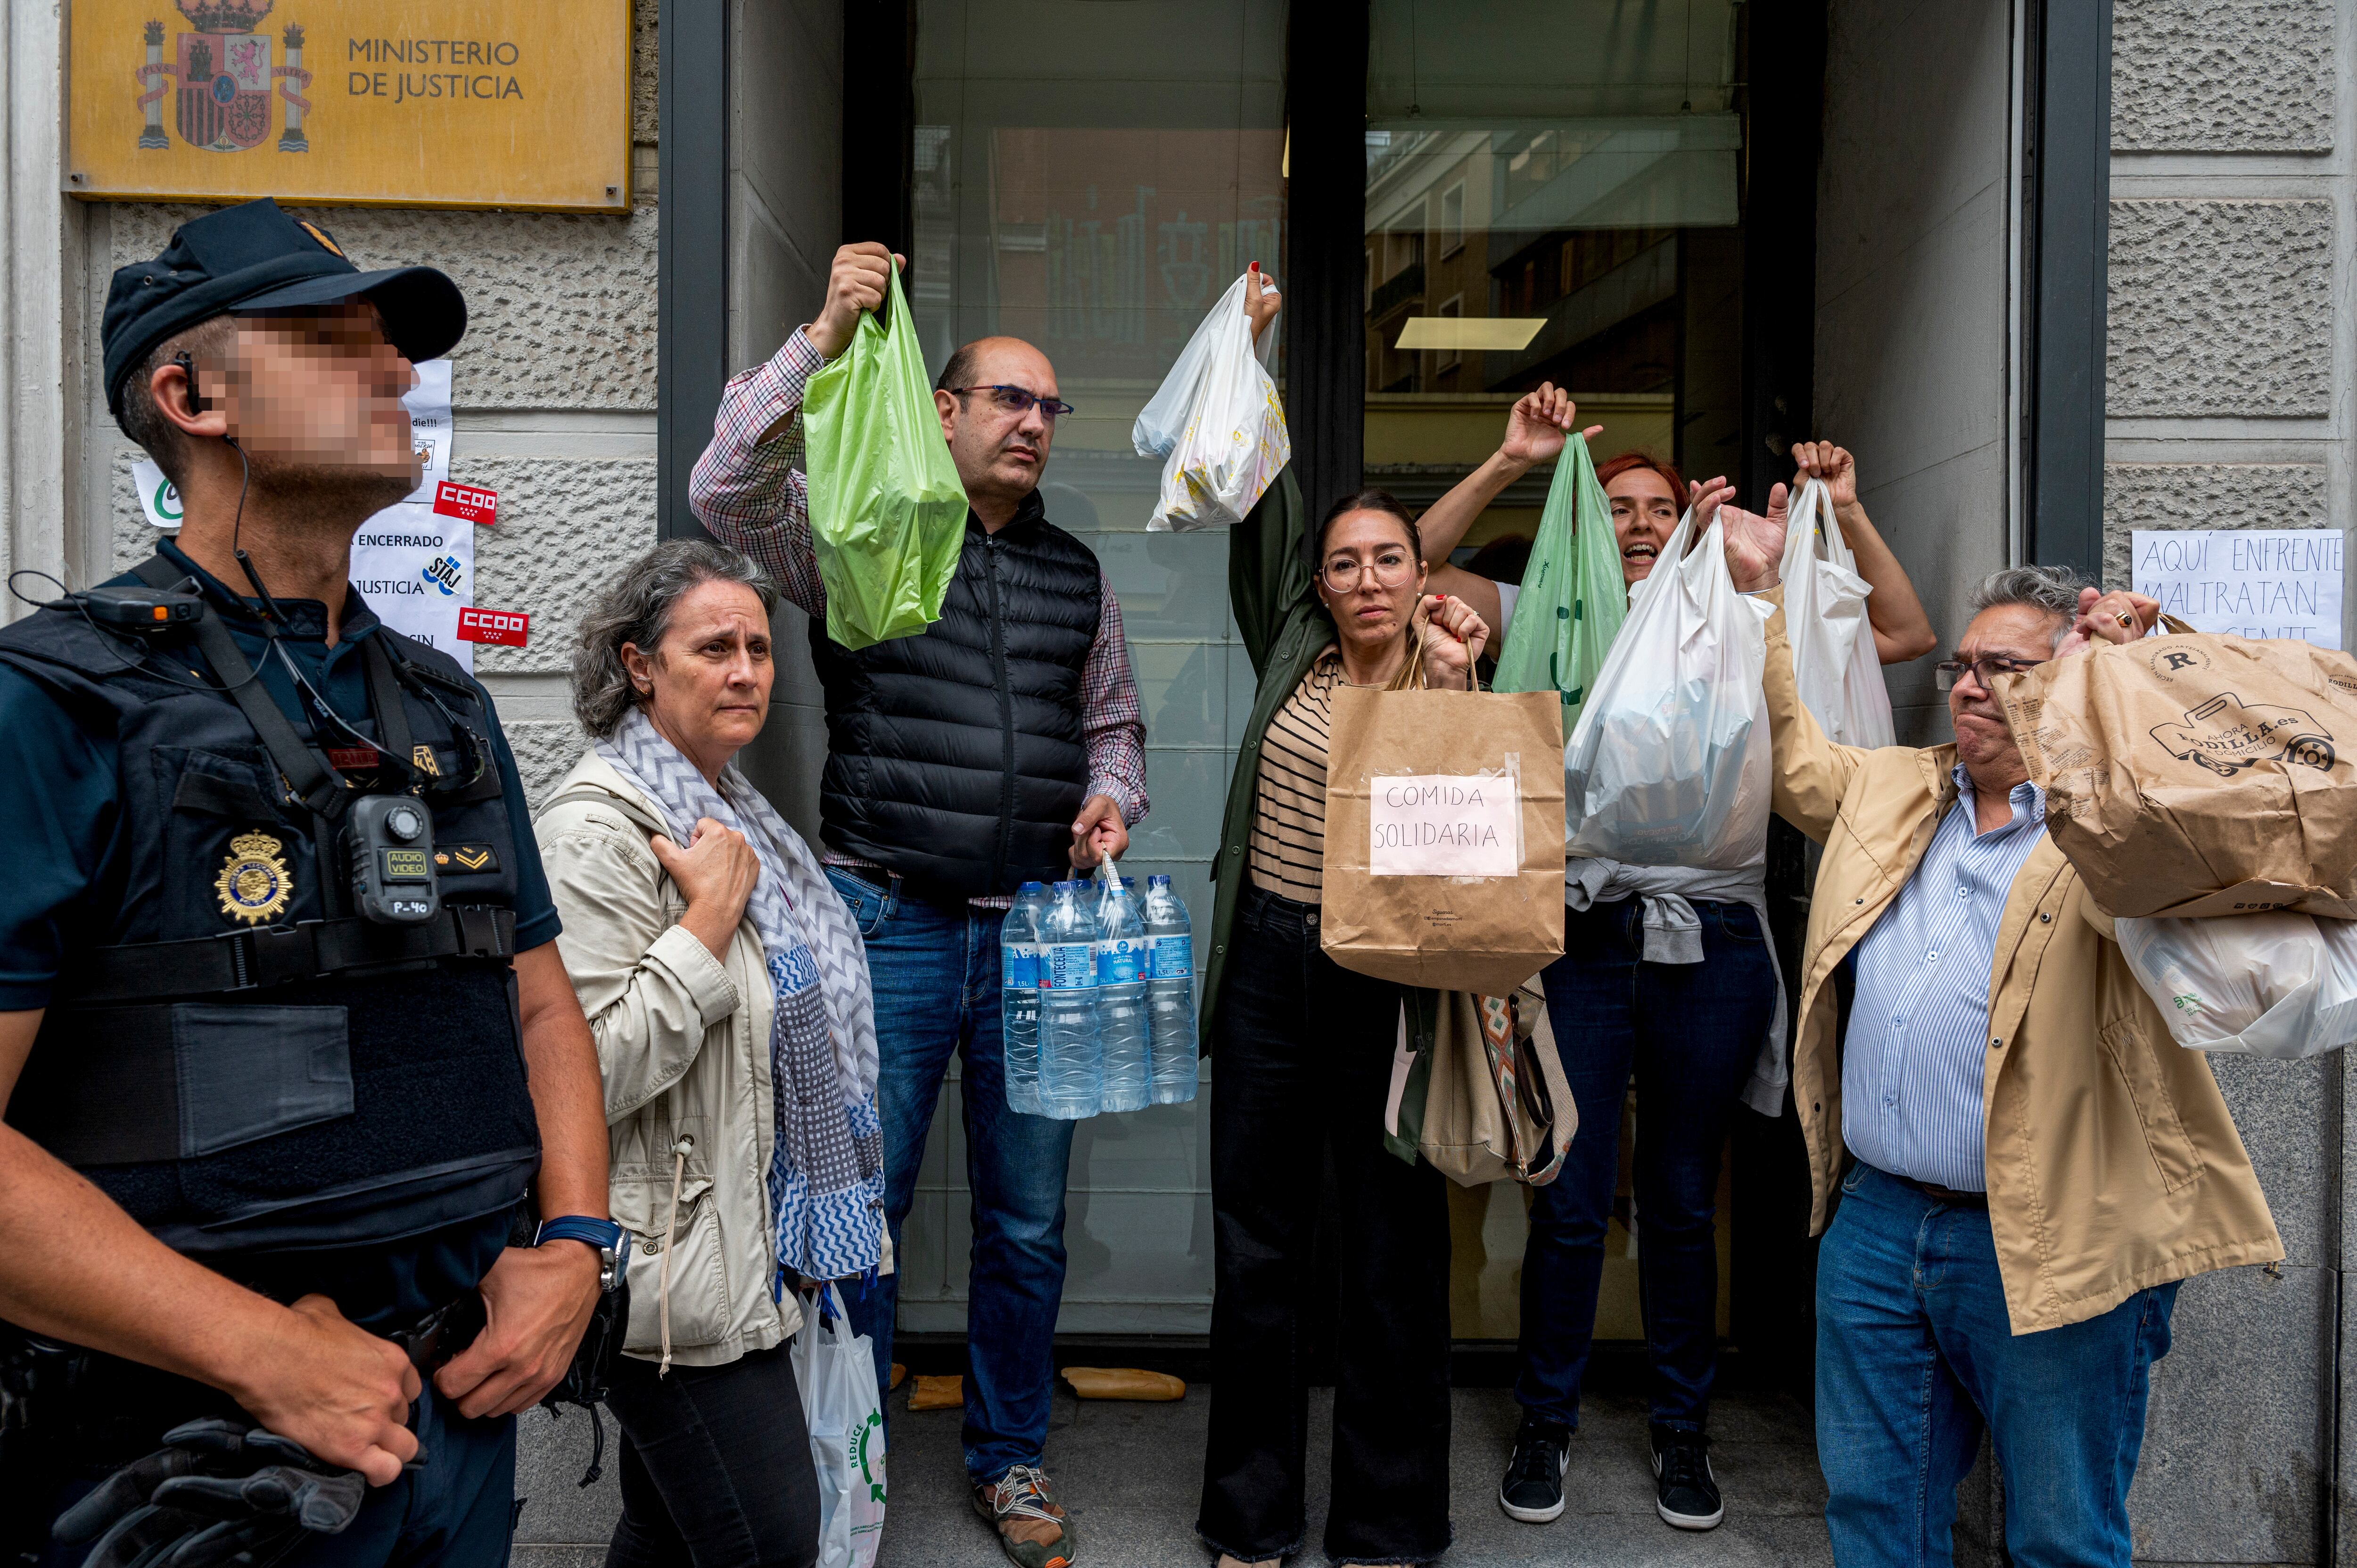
290	1064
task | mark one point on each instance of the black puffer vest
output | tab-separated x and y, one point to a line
265	1071
955	757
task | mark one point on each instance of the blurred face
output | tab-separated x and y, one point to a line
315	398
1645	511
2019	632
999	451
707	686
1370	577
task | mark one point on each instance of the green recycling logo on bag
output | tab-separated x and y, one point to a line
886	511
1574	596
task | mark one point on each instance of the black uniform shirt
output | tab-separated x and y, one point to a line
61	869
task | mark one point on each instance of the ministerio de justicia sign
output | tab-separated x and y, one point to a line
521	104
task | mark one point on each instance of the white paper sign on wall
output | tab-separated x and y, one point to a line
2258	582
416	570
1444	824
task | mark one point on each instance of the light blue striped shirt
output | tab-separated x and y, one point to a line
1919	1017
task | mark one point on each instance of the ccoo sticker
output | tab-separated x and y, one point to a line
468	503
508	629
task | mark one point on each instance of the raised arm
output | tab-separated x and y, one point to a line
1536	428
748	488
1901	630
1811	772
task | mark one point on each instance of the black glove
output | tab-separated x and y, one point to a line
216	1494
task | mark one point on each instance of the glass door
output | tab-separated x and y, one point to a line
1553	194
1090	177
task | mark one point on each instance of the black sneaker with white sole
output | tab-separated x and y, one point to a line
1532	1490
1685	1494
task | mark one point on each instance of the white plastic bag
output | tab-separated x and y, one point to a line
836	1371
1669	763
1833	660
2273	985
1217	420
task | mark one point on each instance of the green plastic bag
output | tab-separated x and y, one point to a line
1574	598
886	511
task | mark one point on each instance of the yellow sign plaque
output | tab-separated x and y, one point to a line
518	103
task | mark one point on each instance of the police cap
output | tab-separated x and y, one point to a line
252	259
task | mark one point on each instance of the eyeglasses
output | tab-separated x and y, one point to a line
1342	573
1946	674
1018	400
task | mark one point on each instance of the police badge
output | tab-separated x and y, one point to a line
255	885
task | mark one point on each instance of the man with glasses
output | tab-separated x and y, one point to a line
1002	744
2034	1165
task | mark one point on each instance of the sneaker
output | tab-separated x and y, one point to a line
1532	1490
1032	1529
1686	1492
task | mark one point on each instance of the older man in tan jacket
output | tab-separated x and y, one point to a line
2034	1164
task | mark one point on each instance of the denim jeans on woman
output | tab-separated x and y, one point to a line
1690	1032
935	972
1916	1353
1304	1052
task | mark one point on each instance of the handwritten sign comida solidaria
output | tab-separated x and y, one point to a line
1442	824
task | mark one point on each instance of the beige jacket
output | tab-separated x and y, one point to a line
2113	1163
684	1047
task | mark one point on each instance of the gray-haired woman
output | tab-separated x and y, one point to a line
729	995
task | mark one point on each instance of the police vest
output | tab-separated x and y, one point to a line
956	757
246	1066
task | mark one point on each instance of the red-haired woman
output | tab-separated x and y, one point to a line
1666	975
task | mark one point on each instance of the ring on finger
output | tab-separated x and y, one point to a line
2123	617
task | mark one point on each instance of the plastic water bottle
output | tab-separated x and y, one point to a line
1169	994
1072	1058
1019	955
1121	996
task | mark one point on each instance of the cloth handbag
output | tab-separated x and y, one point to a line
1485	1098
835	1369
1573	597
2197	773
887	510
1444	837
1669	765
1834	664
1217	420
2274	985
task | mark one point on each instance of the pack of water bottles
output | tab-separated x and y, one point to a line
1099	1006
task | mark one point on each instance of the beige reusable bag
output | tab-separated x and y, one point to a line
2198	773
1444	837
1488	1100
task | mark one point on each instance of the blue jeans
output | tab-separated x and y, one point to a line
1916	1351
936	976
1690	1031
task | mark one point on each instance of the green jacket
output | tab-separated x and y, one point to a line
1284	628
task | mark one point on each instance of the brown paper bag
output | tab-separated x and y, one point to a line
1444	837
2199	773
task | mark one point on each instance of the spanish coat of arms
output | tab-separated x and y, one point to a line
222	76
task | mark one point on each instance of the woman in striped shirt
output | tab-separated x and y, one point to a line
1305	1061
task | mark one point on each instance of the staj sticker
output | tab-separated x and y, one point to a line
508	629
468	503
1442	824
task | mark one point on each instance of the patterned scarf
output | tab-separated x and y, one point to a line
826	1175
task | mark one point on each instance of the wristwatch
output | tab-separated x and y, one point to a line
613	1244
